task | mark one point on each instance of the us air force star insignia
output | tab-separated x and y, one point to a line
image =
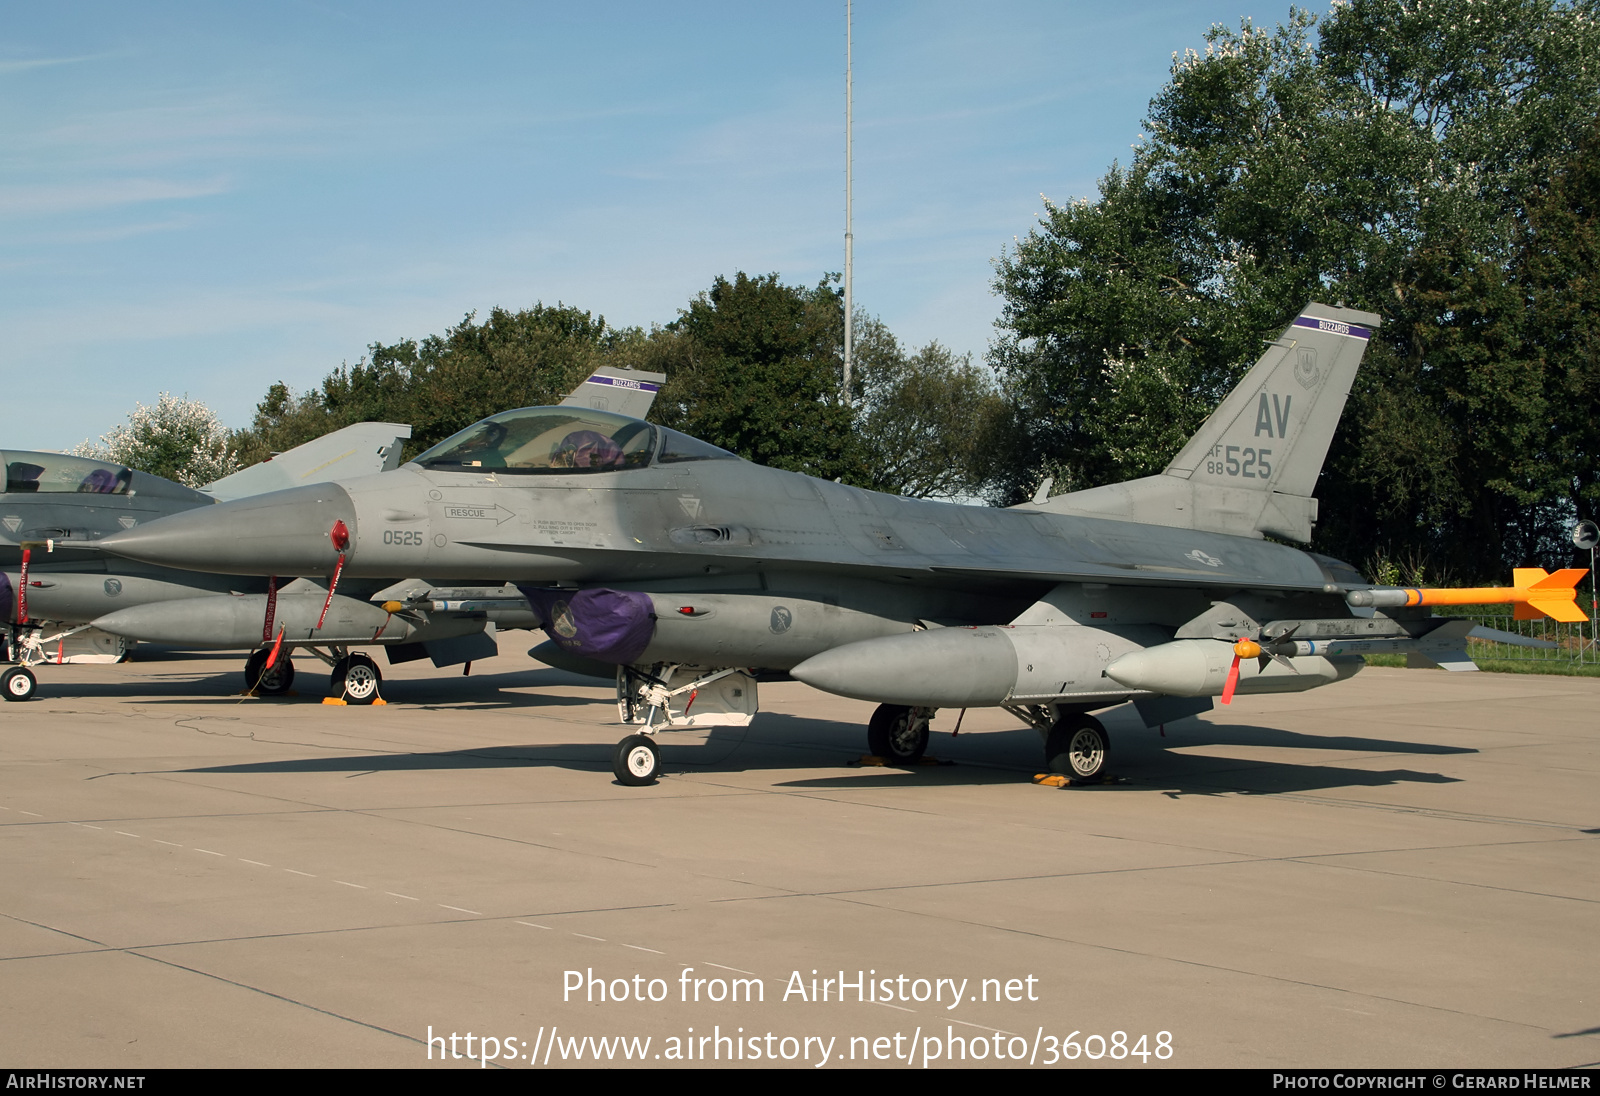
1201	557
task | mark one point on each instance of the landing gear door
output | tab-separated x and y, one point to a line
685	696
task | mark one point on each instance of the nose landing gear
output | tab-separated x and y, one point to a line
636	762
18	683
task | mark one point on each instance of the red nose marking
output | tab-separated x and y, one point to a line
340	536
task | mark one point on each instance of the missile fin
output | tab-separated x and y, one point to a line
1564	609
1554	595
1524	578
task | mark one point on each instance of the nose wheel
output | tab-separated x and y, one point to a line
636	762
18	683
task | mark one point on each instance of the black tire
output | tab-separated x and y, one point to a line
1078	747
898	734
355	679
637	762
274	682
18	683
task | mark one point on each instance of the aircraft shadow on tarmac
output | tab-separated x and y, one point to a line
779	741
515	689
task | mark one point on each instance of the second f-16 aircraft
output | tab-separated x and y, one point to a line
56	584
688	572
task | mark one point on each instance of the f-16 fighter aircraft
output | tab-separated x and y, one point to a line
684	570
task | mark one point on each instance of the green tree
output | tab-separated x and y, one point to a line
757	371
178	439
926	423
1558	275
753	365
282	421
1386	162
445	382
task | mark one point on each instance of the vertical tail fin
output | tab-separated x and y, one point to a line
1252	466
626	391
358	450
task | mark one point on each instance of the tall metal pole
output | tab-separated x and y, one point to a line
1586	534
849	237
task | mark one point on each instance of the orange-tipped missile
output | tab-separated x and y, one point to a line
1536	593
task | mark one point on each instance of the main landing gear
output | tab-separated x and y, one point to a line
1077	747
899	734
356	679
264	682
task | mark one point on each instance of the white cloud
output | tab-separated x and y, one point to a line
29	64
36	198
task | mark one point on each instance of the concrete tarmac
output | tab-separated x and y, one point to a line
1401	870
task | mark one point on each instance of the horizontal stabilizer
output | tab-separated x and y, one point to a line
1511	639
1441	660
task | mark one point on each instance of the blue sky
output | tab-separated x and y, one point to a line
206	198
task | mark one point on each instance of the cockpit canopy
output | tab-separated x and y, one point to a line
563	441
58	473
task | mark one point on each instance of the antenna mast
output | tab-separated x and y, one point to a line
849	238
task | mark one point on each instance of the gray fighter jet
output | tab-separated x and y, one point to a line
55	509
684	571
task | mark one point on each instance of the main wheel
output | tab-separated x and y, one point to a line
636	762
356	679
273	682
898	734
18	683
1077	747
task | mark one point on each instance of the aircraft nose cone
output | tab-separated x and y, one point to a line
293	532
